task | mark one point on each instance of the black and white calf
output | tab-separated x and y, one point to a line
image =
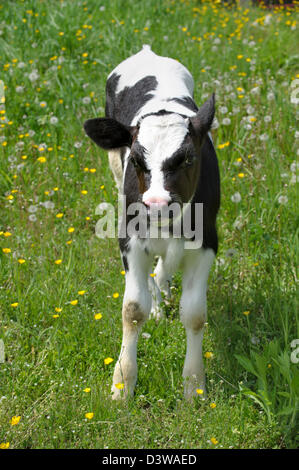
160	151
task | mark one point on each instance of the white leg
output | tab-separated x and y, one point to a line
193	311
163	278
115	164
136	308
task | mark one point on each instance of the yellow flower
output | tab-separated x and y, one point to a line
152	274
4	445
58	309
241	175
115	295
199	391
42	159
108	360
15	304
89	415
247	312
86	390
120	386
81	292
58	261
84	191
6	250
74	302
214	440
239	56
14	420
123	272
208	354
98	316
59	215
71	230
92	170
55	315
21	261
212	405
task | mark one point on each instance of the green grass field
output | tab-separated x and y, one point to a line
56	275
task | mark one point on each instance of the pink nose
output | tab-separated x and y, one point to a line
155	202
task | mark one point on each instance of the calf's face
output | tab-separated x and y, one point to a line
164	152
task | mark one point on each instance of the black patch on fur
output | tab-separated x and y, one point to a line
108	133
208	192
186	101
125	105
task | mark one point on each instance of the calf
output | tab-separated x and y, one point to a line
160	151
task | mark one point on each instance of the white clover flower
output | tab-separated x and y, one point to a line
236	197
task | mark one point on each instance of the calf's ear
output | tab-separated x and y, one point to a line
109	133
202	121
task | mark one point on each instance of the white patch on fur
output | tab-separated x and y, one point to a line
147	63
160	136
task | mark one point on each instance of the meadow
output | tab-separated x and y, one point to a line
61	286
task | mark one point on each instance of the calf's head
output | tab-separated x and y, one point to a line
164	152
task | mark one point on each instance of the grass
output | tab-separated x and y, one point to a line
54	60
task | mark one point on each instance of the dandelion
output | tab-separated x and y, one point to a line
71	229
86	390
208	355
108	361
43	104
6	250
15	304
214	440
55	315
226	121
84	192
120	386
212	405
241	175
89	415
21	261
283	199
81	292
42	159
236	197
98	316
199	391
58	261
115	295
123	272
15	420
59	215
58	309
53	120
74	302
4	445
86	100
246	313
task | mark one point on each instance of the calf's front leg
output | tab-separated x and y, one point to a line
193	311
135	311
